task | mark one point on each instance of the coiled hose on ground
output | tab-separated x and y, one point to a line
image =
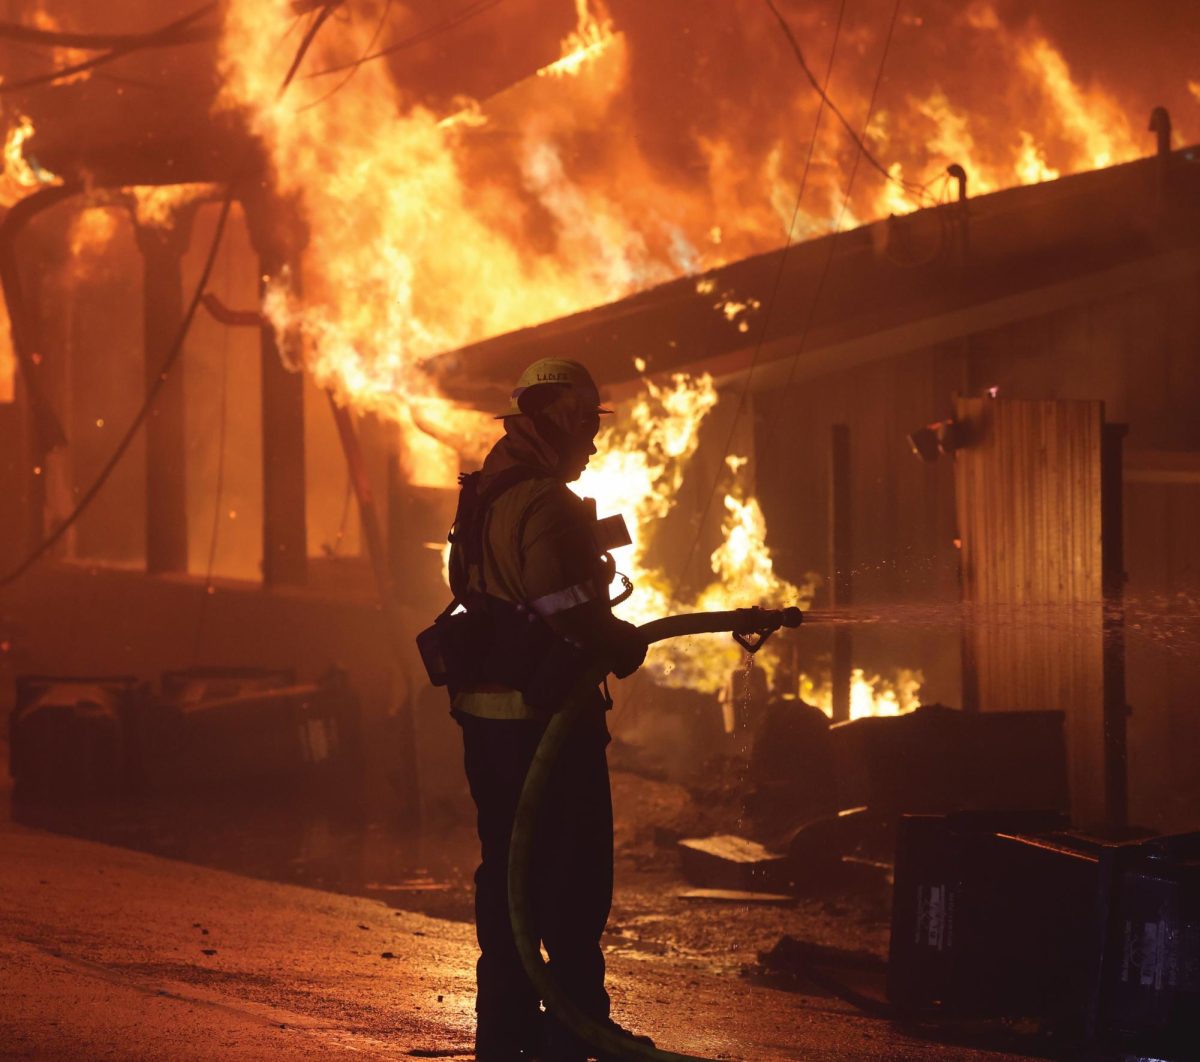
606	1041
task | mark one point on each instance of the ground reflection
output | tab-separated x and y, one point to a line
321	840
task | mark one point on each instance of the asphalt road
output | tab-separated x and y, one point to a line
108	953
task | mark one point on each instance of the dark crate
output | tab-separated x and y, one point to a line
1146	994
946	921
68	735
940	760
265	733
1002	915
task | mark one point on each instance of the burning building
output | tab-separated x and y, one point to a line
270	266
375	225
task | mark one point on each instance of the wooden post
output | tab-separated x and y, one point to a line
1112	553
409	780
277	233
839	566
162	248
285	538
42	433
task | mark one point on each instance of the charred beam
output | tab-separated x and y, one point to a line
162	250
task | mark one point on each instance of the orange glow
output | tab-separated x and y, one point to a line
89	236
868	696
21	175
8	359
156	205
429	230
592	35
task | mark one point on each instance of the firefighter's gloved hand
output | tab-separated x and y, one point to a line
627	648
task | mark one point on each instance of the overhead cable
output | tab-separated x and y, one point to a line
762	332
833	243
17	31
860	139
355	67
467	13
167	36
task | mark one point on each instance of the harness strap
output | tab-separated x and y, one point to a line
470	520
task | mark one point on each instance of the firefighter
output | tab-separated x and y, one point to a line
524	556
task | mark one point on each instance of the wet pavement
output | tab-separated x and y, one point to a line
321	841
175	929
109	953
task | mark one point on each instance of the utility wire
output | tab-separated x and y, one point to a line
467	13
310	35
139	419
357	65
860	139
173	352
17	31
166	36
762	332
816	298
116	79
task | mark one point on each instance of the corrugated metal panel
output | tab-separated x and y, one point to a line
1028	486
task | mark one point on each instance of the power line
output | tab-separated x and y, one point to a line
859	139
816	298
354	69
467	13
47	38
762	332
310	35
164	37
139	419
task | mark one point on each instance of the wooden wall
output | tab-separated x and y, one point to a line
1139	354
902	509
1028	491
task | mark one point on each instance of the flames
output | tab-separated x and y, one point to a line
1053	123
591	37
22	174
638	470
158	205
427	229
872	696
8	358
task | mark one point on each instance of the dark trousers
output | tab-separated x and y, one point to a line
573	875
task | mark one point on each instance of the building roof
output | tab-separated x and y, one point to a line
899	284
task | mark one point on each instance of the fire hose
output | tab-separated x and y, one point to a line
750	627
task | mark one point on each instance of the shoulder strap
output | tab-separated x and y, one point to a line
473	504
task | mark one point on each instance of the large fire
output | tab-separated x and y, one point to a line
637	471
425	233
430	226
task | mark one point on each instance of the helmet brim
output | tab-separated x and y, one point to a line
514	412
